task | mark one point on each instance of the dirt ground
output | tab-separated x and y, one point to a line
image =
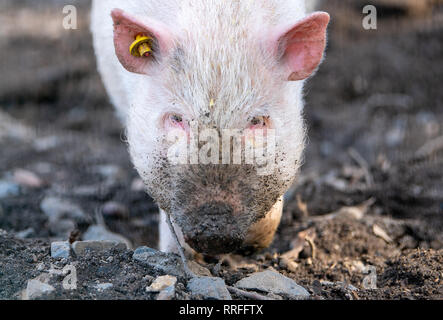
368	202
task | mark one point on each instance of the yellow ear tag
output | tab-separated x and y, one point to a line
141	47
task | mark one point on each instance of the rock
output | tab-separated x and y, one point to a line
100	233
62	228
209	288
86	191
166	263
46	143
273	282
110	172
8	189
138	185
57	209
60	249
288	264
161	262
36	289
167	294
103	286
114	209
161	283
80	247
198	269
25	234
28	179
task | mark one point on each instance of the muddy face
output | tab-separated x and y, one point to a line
215	205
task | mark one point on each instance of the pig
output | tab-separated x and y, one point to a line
238	64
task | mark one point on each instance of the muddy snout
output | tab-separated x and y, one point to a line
214	229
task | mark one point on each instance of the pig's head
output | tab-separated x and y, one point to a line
218	71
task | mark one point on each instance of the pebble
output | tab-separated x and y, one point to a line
60	249
41	266
57	209
80	247
28	179
273	282
161	283
198	269
115	210
167	294
62	228
209	288
8	189
137	185
46	143
100	233
25	234
110	172
36	289
288	264
166	263
103	286
161	262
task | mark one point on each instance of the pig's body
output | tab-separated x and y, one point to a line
215	64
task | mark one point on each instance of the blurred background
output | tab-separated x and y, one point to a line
374	112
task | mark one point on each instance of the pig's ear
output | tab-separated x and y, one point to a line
126	29
300	47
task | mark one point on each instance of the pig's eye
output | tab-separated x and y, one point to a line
260	122
176	118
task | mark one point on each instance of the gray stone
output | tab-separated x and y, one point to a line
167	263
209	288
36	289
60	249
167	294
115	209
100	233
110	172
61	228
103	286
80	247
28	179
57	209
161	262
8	189
273	282
25	234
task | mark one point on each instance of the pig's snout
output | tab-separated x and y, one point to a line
213	229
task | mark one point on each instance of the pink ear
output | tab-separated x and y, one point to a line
126	28
302	46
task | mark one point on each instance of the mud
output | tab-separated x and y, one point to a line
370	191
